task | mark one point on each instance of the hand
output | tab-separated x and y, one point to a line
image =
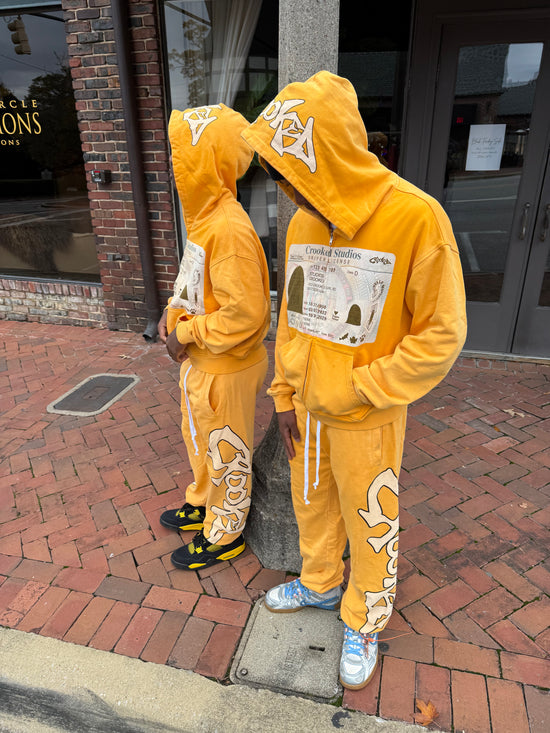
288	427
176	349
161	327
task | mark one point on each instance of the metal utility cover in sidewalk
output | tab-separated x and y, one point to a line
93	395
293	653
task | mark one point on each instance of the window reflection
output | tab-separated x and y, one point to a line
45	223
373	56
495	86
226	51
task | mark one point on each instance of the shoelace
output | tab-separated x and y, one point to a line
184	511
357	643
199	542
294	588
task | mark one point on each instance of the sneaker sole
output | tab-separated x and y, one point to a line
300	608
362	684
210	561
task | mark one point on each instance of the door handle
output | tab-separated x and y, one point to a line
524	219
545	223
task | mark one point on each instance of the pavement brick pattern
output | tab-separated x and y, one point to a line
83	557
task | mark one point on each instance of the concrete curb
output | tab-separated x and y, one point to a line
47	686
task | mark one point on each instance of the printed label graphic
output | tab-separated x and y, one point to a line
337	293
291	136
198	119
189	285
231	455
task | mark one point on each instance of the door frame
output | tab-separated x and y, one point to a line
431	21
493	324
430	17
531	333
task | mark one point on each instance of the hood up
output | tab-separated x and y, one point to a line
208	156
313	135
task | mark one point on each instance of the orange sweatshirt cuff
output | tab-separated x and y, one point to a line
182	332
283	402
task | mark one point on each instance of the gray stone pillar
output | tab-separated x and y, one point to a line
308	42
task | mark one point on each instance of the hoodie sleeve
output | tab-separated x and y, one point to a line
435	297
237	285
280	390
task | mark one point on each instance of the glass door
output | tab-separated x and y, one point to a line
488	170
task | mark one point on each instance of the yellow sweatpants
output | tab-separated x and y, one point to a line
218	431
347	489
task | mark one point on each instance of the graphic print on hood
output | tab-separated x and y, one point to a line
312	133
205	166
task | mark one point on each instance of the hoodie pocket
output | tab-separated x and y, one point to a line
294	357
323	379
329	386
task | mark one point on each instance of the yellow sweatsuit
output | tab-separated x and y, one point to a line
221	310
372	318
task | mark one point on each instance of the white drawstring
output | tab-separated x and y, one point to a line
317	454
191	423
306	458
306	462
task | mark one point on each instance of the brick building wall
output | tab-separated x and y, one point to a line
118	300
93	62
52	302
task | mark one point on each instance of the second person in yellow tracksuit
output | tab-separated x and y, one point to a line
373	316
215	325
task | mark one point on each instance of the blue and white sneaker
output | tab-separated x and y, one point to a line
359	658
293	596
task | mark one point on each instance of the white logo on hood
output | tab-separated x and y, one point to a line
199	118
287	124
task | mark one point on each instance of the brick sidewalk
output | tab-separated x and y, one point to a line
83	557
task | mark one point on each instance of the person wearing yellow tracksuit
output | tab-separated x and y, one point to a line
373	317
214	325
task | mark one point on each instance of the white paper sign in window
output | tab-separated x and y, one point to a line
485	146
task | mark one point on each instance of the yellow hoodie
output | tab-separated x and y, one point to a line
373	314
221	302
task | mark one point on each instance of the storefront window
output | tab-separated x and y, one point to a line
373	56
226	51
45	223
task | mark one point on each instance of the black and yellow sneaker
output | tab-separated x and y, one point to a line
199	553
186	518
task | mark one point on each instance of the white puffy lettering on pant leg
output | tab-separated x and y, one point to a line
379	602
236	473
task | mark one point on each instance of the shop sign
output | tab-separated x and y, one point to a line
17	118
